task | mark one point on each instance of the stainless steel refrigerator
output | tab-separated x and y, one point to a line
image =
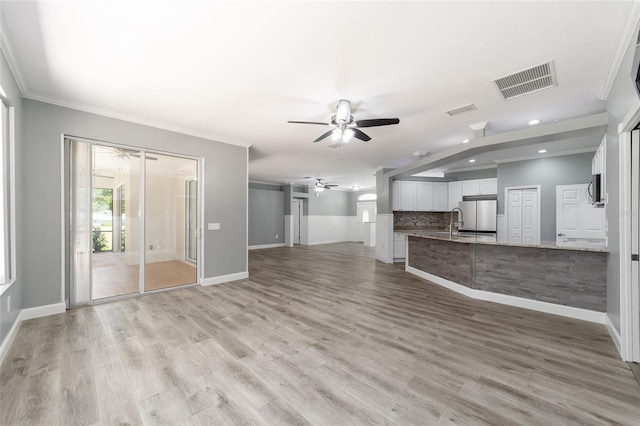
479	215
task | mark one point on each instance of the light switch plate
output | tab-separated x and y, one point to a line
213	226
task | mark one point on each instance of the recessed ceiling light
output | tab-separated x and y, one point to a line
355	187
465	141
472	161
542	151
534	122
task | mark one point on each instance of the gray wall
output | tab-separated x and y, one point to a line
547	172
266	215
330	203
620	99
225	186
472	174
7	319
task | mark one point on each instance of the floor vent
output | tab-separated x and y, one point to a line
528	81
461	109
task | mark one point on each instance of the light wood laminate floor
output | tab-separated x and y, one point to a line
348	248
314	338
112	276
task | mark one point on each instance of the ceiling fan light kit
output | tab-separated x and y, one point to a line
344	128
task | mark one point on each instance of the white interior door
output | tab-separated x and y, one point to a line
366	212
530	217
576	218
635	245
296	210
514	215
523	215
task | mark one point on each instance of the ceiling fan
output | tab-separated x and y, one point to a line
343	126
321	185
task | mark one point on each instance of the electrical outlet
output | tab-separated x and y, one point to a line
8	303
150	247
276	236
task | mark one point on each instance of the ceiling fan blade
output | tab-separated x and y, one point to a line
377	122
329	186
308	122
324	135
359	134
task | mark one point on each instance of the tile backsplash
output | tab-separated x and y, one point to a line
428	221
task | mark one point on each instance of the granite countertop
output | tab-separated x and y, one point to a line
471	238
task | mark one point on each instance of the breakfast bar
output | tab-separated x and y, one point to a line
573	276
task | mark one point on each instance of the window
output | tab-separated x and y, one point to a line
367	197
7	250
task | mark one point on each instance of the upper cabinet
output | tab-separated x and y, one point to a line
420	196
404	195
455	194
424	196
480	187
438	196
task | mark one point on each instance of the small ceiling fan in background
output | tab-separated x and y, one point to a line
321	185
344	128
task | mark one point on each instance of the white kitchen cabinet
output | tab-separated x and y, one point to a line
480	186
399	246
455	194
488	186
440	197
395	196
471	187
424	196
404	196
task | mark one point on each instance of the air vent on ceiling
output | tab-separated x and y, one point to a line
461	109
528	81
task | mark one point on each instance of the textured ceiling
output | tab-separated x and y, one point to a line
237	71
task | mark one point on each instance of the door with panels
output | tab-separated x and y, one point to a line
523	215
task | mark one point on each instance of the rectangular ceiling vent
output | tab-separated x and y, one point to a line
528	81
461	109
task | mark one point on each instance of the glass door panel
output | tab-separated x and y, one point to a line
115	222
192	220
79	257
167	263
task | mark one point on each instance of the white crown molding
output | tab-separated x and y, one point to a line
470	169
625	37
130	118
548	154
631	118
262	182
12	58
15	66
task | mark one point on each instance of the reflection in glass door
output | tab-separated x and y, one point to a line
191	189
115	223
167	263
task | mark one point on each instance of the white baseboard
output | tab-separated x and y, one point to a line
224	278
317	243
6	344
520	302
27	314
264	246
615	336
43	311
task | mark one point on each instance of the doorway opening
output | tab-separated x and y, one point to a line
133	221
297	212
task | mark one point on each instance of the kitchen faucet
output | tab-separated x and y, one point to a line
459	223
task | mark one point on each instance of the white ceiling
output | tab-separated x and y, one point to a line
237	71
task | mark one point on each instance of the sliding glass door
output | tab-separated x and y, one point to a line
166	222
127	208
115	222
